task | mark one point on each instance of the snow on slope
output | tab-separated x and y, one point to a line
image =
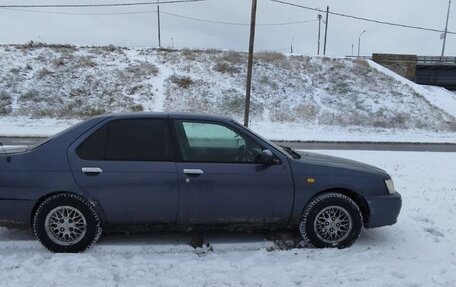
311	94
437	96
418	251
442	98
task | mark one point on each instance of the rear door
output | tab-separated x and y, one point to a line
221	179
126	165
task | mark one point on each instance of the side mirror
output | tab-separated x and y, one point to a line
267	157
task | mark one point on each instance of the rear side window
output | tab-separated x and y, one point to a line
127	140
94	146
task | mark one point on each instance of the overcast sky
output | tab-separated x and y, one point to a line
141	29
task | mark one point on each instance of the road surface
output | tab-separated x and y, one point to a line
425	147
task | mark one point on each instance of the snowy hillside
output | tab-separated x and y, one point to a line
67	82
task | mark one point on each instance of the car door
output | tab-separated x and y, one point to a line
221	180
125	165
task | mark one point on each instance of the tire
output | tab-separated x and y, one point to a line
67	223
331	220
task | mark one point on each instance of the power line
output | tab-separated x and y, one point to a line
203	20
238	24
82	14
99	5
363	19
163	12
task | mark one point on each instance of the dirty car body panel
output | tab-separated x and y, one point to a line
186	179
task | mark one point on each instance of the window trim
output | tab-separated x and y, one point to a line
179	158
169	150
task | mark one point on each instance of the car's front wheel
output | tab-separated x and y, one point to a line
331	220
67	223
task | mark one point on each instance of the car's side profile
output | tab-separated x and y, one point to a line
185	170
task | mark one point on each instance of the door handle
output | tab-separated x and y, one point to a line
92	170
193	171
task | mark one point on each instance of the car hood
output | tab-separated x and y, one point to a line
337	162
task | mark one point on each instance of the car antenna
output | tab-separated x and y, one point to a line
8	158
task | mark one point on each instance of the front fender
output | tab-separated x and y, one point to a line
310	181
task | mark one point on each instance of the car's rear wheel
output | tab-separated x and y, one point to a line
67	223
331	220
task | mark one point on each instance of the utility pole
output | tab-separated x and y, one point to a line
353	46
158	19
250	63
319	32
359	42
446	32
291	47
326	30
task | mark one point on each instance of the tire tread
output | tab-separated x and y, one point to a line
88	204
317	200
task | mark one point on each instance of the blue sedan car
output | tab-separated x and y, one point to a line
185	171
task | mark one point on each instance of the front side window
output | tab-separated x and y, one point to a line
211	142
127	140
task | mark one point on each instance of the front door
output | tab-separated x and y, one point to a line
222	181
125	165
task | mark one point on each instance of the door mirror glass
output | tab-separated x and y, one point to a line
267	157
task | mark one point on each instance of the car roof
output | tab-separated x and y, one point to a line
193	116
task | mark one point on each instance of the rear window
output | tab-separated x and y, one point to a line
127	140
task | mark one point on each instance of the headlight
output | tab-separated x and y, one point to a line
390	185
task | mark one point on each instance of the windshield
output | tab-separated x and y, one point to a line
291	152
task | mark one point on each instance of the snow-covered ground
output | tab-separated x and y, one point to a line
419	250
305	132
24	127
